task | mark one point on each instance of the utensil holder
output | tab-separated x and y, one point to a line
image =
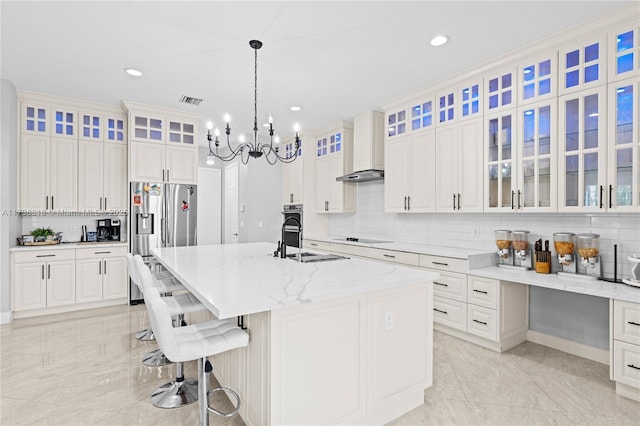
543	262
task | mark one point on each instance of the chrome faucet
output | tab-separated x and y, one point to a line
283	247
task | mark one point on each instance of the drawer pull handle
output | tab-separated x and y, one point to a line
46	255
442	284
313	244
389	255
480	291
633	366
101	252
440	263
442	312
480	322
43	271
633	323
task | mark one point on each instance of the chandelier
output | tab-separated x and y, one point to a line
252	148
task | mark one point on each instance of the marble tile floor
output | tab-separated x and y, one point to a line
83	368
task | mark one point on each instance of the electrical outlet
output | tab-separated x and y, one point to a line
388	321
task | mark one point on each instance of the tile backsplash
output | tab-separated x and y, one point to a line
475	230
70	226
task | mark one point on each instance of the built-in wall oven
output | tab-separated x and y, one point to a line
292	233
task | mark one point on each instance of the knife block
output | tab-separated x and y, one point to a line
543	262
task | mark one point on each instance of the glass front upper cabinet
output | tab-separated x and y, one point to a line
91	126
624	146
500	89
537	79
422	114
147	129
35	119
115	129
64	122
582	151
537	178
583	65
290	149
396	123
500	180
328	145
181	132
470	99
446	107
624	51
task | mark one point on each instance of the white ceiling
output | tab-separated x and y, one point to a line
335	59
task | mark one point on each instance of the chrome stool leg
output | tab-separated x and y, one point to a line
155	359
145	335
204	368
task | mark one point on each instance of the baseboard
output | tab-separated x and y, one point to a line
5	317
573	348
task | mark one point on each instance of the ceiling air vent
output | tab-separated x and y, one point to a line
190	100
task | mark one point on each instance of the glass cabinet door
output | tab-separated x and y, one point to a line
447	104
35	119
624	52
91	126
537	179
500	181
537	79
583	65
64	122
500	89
582	151
624	146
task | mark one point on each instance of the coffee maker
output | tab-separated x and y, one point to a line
108	230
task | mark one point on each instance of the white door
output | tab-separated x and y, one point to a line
29	286
446	168
64	174
422	180
114	278
231	204
395	175
146	162
470	167
115	177
209	202
34	172
61	283
88	280
182	165
90	174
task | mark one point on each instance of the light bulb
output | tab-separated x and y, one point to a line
296	127
226	118
241	138
270	119
216	132
276	140
210	160
209	125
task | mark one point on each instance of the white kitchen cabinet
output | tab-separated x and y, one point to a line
159	163
583	64
625	366
368	141
292	175
102	176
48	173
501	171
181	165
459	167
624	146
101	274
42	279
396	123
537	78
582	151
624	51
334	158
500	89
410	173
147	126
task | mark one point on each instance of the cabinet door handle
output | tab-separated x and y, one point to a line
633	366
442	312
43	271
46	202
601	193
389	255
519	193
48	272
610	196
454	201
405	202
291	198
105	203
512	205
458	201
480	322
408	203
101	252
168	175
105	267
480	291
313	244
46	255
99	268
100	203
52	202
440	263
633	323
442	284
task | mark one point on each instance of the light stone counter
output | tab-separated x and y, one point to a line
240	279
65	246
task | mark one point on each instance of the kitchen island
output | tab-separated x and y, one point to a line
339	342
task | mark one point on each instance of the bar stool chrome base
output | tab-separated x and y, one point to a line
145	335
175	394
155	359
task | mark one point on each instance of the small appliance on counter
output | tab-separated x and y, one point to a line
564	245
522	254
589	253
503	242
108	230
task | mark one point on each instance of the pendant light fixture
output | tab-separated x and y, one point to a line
253	148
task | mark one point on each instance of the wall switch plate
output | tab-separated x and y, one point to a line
388	321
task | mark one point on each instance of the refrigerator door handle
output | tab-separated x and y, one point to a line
162	231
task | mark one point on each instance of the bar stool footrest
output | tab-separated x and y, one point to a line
220	413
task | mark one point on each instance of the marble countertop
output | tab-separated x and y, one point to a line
598	288
453	252
240	279
63	246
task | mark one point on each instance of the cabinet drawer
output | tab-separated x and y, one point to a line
482	322
626	322
402	257
626	363
450	312
451	285
483	292
319	245
43	255
100	252
349	249
443	263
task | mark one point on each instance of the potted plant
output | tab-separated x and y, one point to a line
42	234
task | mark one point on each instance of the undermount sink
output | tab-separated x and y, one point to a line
315	257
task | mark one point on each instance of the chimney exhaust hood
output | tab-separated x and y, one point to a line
368	148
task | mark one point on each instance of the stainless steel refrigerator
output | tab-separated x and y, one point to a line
162	215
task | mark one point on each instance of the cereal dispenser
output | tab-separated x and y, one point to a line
564	244
589	253
503	241
522	254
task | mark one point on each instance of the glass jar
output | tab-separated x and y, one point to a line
520	240
564	243
503	239
588	245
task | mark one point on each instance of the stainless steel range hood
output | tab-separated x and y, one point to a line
362	176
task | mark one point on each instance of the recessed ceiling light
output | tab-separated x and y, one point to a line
439	40
134	72
295	108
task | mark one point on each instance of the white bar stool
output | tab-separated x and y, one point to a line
197	341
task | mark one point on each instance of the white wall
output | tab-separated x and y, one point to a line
9	221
